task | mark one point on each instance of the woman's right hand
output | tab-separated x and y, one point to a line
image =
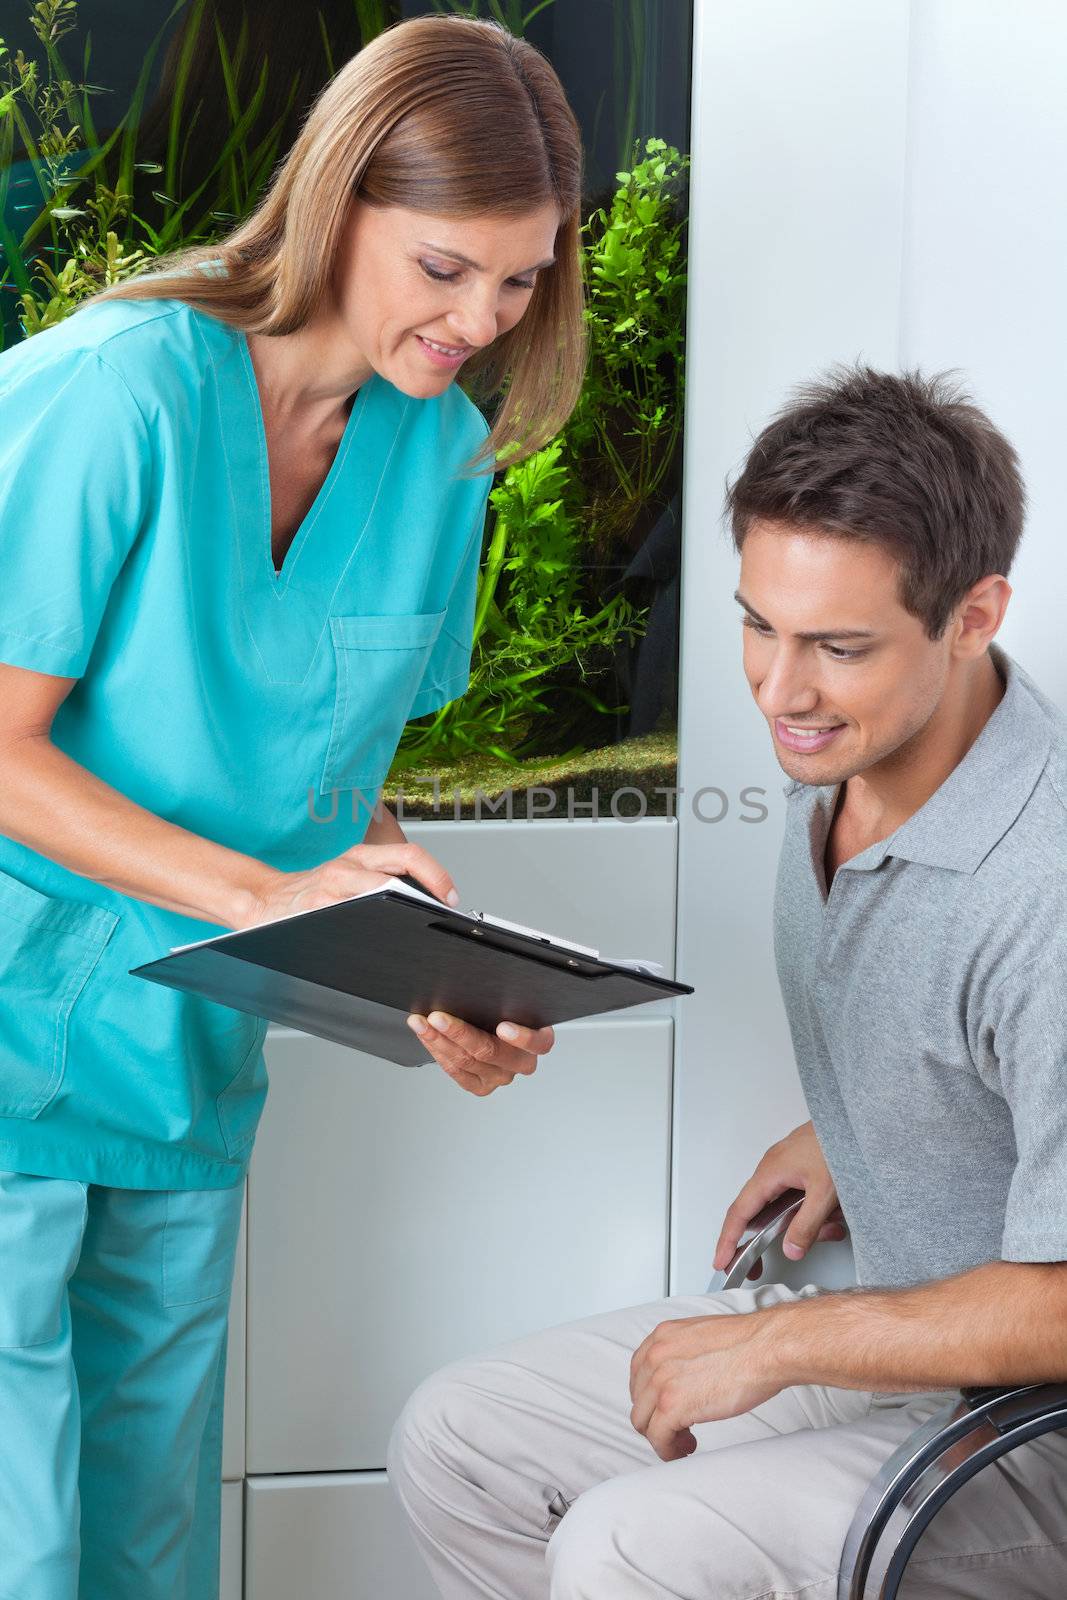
365	866
795	1162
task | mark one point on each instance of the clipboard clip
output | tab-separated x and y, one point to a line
537	948
535	933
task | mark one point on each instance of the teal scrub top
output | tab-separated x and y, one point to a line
258	709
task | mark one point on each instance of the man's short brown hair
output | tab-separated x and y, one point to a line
904	461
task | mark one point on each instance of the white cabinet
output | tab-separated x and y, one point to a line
231	1578
396	1223
336	1536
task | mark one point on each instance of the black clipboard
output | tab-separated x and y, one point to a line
353	971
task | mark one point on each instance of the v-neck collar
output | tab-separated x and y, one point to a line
287	613
280	577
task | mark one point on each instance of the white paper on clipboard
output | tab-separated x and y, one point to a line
634	964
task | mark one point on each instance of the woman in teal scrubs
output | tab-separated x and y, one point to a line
241	516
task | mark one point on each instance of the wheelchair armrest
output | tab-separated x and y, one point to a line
766	1226
938	1458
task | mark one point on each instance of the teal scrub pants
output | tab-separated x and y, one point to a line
113	1321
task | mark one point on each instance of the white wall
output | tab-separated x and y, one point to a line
985	280
881	181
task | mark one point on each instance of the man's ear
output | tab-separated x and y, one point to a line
979	615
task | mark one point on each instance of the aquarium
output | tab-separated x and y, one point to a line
129	130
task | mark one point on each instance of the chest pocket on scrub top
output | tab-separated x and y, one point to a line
48	950
380	662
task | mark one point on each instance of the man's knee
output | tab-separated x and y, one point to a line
436	1430
657	1532
585	1553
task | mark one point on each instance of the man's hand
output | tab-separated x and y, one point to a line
795	1162
481	1062
699	1369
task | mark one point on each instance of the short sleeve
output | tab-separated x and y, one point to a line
1026	1029
74	462
447	673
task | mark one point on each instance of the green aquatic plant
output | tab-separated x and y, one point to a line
97	263
63	251
529	624
623	437
544	633
100	202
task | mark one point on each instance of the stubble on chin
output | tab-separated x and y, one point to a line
817	775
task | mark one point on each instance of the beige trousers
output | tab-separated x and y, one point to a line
523	1479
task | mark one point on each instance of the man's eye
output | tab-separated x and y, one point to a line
441	277
757	627
840	654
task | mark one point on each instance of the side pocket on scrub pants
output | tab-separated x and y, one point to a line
380	663
48	950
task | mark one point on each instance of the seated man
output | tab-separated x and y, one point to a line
716	1447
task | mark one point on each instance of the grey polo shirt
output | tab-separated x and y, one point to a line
927	1000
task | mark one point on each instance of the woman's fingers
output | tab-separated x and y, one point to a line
489	1050
393	859
472	1050
429	872
479	1077
360	870
479	1061
537	1041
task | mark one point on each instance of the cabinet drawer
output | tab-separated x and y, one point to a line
397	1222
328	1535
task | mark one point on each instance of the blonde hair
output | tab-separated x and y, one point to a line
450	115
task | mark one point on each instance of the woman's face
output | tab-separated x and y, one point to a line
410	280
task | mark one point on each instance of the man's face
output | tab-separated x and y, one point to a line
846	677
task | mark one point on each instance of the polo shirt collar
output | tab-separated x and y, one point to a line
982	796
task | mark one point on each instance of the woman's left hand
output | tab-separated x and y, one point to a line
481	1062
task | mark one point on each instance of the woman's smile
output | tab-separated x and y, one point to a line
441	355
